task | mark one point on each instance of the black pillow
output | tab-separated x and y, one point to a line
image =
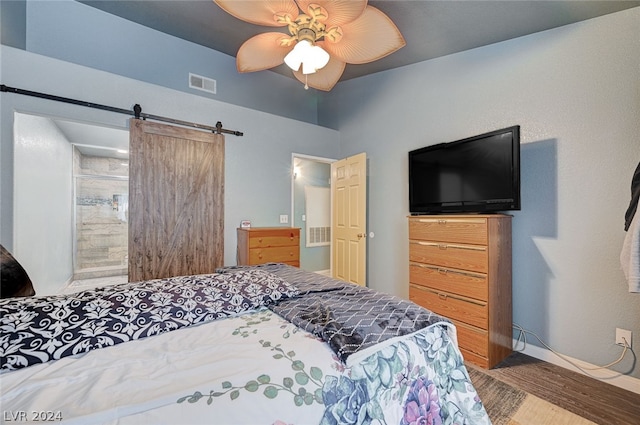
15	281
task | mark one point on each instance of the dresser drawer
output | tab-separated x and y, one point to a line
456	256
449	229
473	339
278	254
452	306
477	360
266	239
259	245
461	282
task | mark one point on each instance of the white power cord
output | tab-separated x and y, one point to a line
522	337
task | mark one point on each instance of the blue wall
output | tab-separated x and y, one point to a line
80	34
257	165
575	92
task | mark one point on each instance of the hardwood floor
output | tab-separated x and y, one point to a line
589	398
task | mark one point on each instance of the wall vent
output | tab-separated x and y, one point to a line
318	236
199	82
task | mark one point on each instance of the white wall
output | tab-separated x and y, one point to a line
318	174
43	204
575	92
257	165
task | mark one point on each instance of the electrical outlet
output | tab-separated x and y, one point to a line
284	218
622	335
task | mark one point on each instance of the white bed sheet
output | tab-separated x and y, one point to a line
139	382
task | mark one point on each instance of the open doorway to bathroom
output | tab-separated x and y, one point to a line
70	202
311	210
101	211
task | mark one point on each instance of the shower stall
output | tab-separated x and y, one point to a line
101	210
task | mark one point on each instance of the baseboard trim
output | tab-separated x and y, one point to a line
609	376
65	286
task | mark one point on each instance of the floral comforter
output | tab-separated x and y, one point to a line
250	367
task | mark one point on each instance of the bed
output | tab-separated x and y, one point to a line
269	344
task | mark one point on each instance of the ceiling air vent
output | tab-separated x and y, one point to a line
199	82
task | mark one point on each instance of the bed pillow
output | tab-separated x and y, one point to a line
258	287
15	281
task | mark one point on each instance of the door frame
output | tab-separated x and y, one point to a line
320	159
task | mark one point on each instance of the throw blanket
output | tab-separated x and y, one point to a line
351	319
40	329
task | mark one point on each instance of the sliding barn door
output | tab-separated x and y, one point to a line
176	201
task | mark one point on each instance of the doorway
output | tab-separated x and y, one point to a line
47	162
101	213
311	210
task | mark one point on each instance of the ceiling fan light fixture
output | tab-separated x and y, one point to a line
311	57
328	35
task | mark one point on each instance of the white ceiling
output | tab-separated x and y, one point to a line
431	28
96	140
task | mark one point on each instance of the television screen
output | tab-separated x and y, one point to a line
476	174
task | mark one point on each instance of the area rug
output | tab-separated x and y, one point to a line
507	405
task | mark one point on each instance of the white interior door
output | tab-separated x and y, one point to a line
349	225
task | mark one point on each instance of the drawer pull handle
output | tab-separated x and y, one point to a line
451	245
442	221
445	296
447	271
260	240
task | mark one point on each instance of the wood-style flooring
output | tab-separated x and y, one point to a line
587	397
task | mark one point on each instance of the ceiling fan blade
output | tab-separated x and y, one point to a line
370	37
260	12
339	12
325	78
261	52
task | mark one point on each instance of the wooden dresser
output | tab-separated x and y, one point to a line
259	245
460	268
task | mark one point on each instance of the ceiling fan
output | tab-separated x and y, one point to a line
324	35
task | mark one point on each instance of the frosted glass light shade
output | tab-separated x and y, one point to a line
312	58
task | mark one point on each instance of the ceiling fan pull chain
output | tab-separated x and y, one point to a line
306	78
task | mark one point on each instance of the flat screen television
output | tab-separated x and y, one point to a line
479	174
